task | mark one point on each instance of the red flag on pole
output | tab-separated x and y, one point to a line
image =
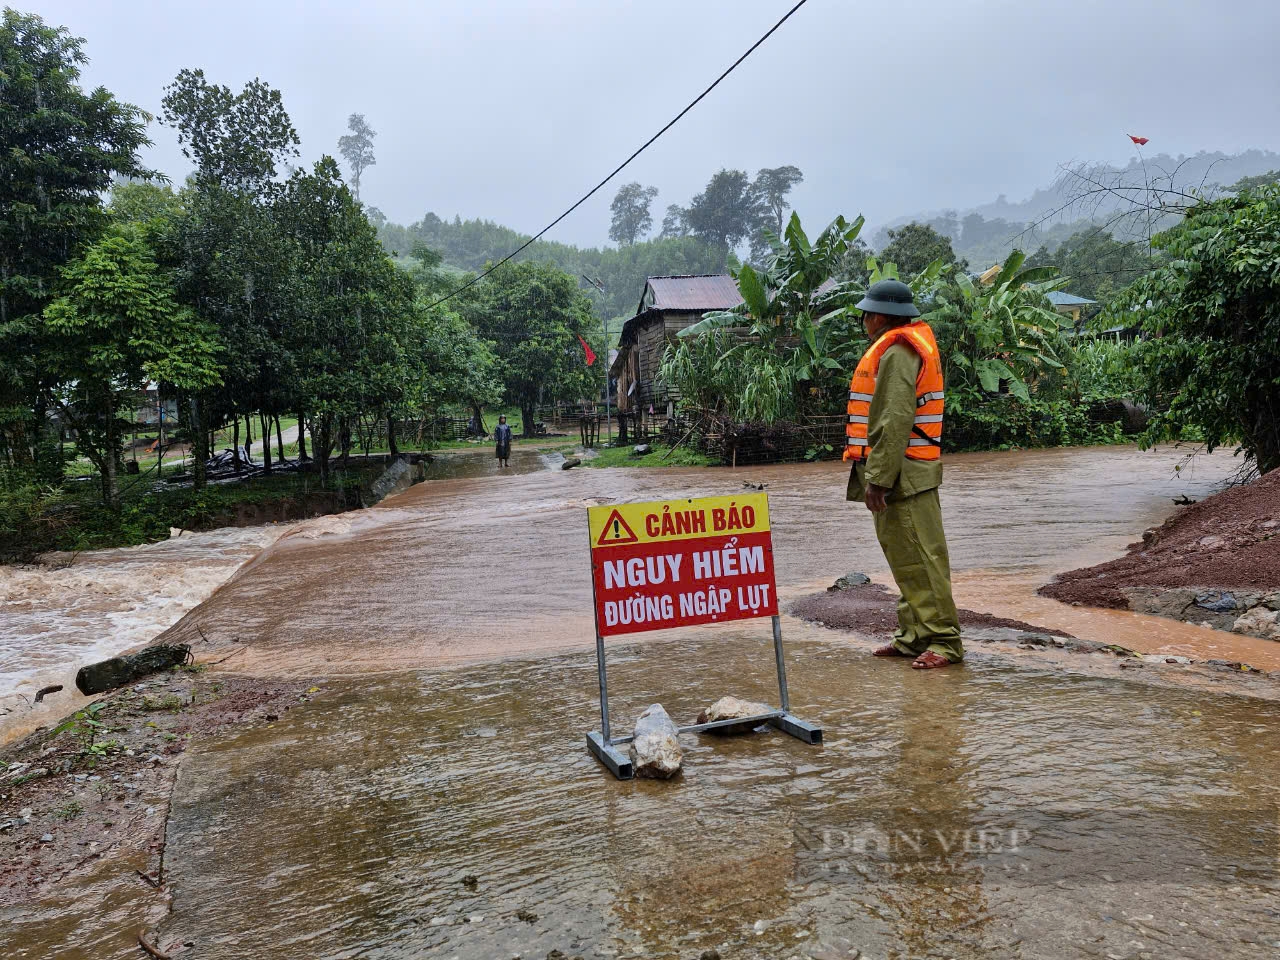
591	354
1140	141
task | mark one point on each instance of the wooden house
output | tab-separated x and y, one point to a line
667	306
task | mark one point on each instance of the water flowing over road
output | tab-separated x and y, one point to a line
474	567
418	811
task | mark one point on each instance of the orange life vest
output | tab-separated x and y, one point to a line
926	435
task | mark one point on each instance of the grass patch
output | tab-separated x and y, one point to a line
170	701
624	457
69	810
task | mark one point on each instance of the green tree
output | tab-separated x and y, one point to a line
232	262
728	211
631	217
676	222
356	148
60	148
914	246
116	325
1212	317
152	205
1094	263
351	311
534	313
235	139
1252	183
771	187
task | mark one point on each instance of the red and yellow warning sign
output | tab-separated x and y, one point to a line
677	563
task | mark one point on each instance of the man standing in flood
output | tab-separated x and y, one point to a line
502	441
894	439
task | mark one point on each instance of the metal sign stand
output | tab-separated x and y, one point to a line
605	747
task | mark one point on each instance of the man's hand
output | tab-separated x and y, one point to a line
875	498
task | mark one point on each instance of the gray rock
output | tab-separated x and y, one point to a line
655	750
1259	622
849	580
570	463
730	708
640	449
47	838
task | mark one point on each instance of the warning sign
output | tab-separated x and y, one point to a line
678	563
616	530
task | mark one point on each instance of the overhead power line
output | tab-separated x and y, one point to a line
590	193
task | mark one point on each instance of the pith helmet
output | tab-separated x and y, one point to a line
890	297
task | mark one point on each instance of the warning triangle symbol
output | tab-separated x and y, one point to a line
616	531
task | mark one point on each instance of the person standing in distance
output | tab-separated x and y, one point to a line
894	440
502	442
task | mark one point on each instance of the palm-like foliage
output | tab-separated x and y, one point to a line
790	333
1001	333
790	347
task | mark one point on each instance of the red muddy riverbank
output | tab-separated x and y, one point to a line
1216	561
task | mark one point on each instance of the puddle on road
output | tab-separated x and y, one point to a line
438	813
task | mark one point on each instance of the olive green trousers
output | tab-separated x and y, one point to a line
910	534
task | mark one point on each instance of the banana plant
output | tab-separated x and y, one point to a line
1003	335
775	297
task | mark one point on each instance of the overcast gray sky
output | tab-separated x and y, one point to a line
510	109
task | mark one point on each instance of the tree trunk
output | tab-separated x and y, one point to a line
526	415
280	438
322	446
478	412
391	436
199	443
264	421
248	431
302	435
344	438
110	487
235	442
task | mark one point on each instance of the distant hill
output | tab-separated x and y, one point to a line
986	233
622	271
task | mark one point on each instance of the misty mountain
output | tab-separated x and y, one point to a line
986	233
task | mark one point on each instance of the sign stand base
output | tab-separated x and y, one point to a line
619	761
795	727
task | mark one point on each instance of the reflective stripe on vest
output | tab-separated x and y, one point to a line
926	436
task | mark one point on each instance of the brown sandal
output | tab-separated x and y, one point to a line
888	650
929	661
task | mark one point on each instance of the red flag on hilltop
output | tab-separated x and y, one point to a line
1140	141
591	354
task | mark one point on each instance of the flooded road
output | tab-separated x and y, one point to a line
997	811
472	568
1006	809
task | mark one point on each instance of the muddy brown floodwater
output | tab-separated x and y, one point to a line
1005	809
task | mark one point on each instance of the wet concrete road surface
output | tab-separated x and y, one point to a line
993	811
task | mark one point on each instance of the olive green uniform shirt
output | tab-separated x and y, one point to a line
889	423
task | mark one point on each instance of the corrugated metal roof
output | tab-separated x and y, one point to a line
716	291
1060	299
